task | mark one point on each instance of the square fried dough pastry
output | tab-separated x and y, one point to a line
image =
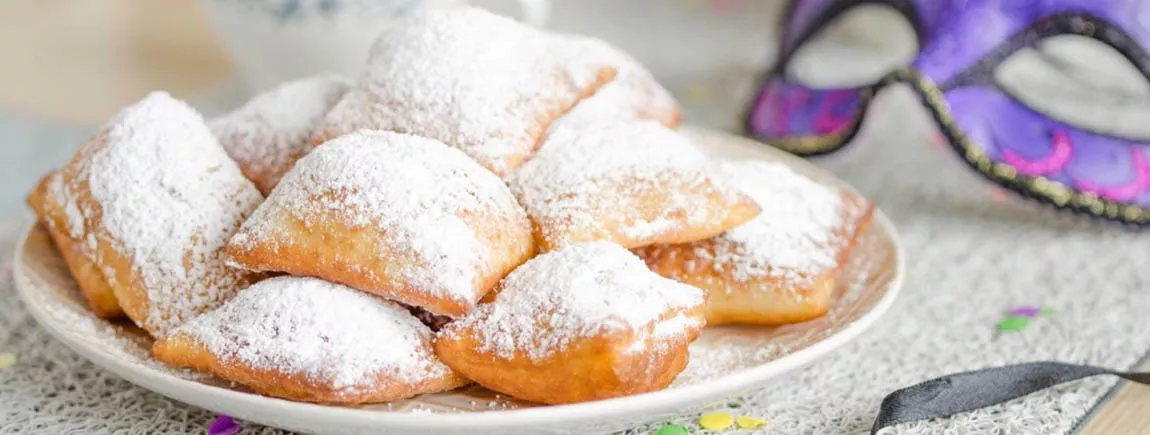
485	84
154	198
585	322
73	248
633	94
632	183
780	267
311	340
272	130
401	216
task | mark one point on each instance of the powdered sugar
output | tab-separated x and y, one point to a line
273	130
792	237
169	197
483	83
576	292
330	333
583	172
413	190
632	95
75	218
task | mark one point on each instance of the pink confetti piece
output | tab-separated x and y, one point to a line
224	425
1025	311
998	194
7	270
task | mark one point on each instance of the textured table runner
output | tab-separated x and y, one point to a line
970	257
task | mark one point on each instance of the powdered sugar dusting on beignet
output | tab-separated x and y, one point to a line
414	191
273	130
166	197
794	235
634	94
578	292
326	332
480	82
583	173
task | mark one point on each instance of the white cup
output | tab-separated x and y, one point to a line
272	41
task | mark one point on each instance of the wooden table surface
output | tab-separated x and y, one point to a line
81	60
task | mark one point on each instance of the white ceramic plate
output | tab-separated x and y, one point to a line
725	361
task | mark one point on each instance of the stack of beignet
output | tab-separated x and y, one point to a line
464	211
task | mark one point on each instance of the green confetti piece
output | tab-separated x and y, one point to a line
1046	312
672	429
1013	324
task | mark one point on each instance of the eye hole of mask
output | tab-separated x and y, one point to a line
857	48
1082	82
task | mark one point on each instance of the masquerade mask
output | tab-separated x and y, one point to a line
963	42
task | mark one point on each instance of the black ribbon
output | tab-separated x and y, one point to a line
967	391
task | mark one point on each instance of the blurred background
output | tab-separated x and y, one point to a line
69	65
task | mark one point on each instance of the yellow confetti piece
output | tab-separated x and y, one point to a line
747	422
697	94
716	421
7	360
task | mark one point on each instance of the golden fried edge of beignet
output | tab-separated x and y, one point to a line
181	350
725	210
90	280
307	251
588	369
746	302
533	135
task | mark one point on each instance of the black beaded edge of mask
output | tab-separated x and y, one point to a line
1041	189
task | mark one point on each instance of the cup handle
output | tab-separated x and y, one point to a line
535	12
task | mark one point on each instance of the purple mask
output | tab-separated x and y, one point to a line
1007	142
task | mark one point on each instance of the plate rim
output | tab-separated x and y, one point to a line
250	406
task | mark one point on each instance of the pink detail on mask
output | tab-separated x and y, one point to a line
1128	191
827	122
785	104
1055	162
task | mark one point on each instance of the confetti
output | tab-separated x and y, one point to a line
938	142
224	425
716	421
7	360
1025	311
7	270
1013	324
748	422
998	194
1046	312
672	429
696	94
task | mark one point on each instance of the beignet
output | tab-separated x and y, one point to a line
79	259
780	267
311	340
585	322
400	216
633	94
154	198
632	183
485	84
271	131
